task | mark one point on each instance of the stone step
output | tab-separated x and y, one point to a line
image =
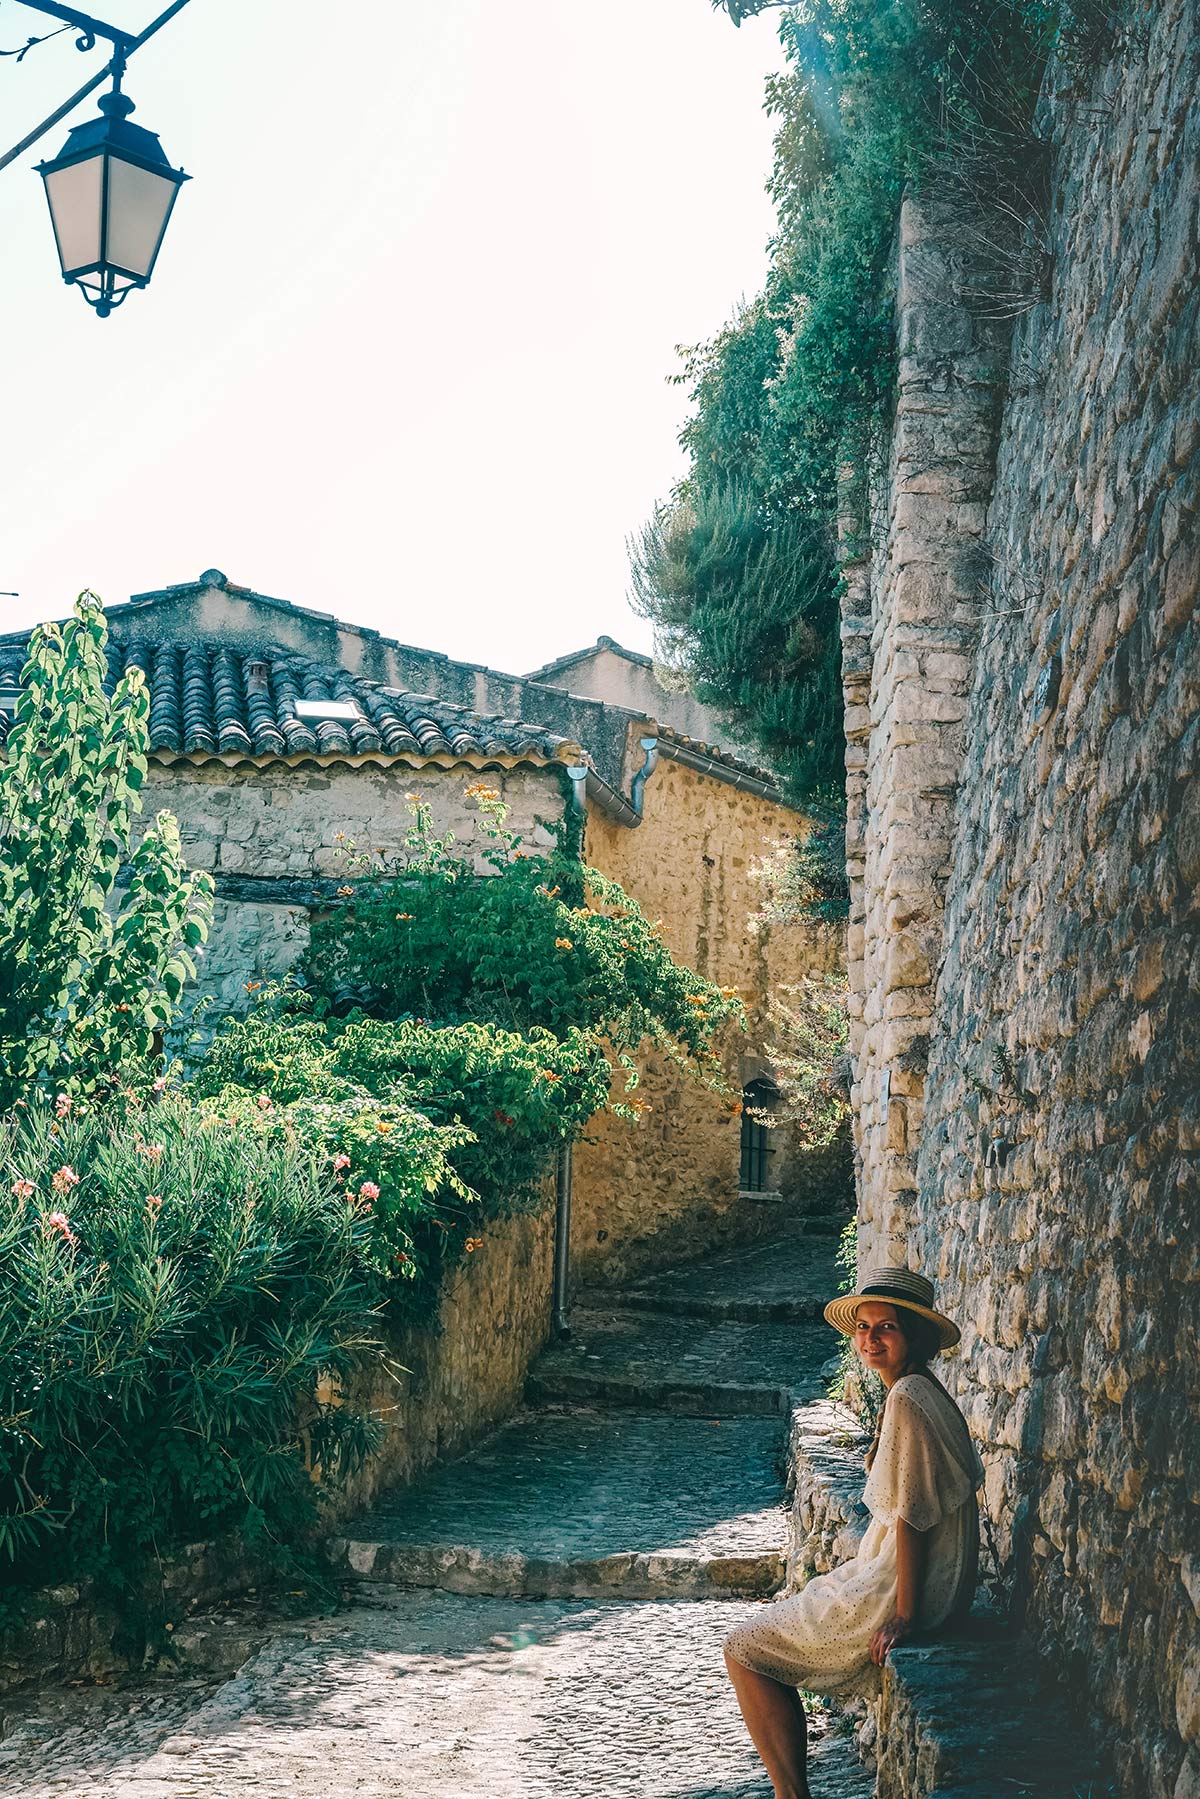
789	1278
578	1503
719	1368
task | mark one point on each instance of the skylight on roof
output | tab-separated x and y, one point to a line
330	712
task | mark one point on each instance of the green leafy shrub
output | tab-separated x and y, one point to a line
83	992
804	879
453	1124
534	943
178	1301
393	1161
462	1021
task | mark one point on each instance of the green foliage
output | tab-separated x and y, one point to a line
396	1164
453	1124
463	1017
178	1302
83	992
532	944
747	608
737	570
854	1386
805	878
809	1040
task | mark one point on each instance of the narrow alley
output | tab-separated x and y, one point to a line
542	1617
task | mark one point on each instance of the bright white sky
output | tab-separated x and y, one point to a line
404	356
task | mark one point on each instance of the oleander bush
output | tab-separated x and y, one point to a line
180	1298
454	1125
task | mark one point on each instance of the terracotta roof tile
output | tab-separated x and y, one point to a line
208	699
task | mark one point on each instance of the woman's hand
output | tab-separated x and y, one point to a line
887	1636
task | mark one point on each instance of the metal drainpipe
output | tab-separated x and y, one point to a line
562	1216
637	791
579	774
562	1246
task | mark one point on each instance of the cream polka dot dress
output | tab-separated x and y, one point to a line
926	1471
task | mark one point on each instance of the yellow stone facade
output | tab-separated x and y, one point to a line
669	1185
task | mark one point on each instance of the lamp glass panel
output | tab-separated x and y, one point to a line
139	203
74	194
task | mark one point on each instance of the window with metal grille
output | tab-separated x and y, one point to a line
757	1148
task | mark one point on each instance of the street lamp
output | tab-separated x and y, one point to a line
110	191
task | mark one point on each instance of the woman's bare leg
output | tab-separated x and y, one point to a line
775	1719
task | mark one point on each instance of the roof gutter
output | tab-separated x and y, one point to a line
719	771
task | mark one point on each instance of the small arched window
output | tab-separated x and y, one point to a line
757	1149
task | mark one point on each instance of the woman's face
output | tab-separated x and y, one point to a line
879	1339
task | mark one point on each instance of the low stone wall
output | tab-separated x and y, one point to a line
447	1383
827	1518
956	1715
68	1632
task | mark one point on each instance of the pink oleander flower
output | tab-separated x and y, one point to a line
368	1190
61	1224
62	1105
159	1084
153	1203
153	1152
62	1180
23	1189
340	1161
264	1102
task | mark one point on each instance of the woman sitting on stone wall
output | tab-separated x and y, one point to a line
916	1566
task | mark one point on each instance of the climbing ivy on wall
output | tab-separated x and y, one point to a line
737	567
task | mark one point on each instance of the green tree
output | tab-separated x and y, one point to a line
84	987
737	569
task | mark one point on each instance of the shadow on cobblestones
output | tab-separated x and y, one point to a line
420	1693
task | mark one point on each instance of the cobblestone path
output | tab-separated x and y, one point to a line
661	1508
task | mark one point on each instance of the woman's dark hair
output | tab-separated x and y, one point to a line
923	1341
922	1335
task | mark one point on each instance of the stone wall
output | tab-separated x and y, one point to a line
911	615
1059	916
668	1187
448	1382
271	837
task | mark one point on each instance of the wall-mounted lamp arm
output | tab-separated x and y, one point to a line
111	69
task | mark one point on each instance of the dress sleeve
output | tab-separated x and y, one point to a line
915	1476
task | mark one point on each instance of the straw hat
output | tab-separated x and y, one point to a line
900	1288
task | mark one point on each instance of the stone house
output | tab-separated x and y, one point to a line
1022	682
607	671
275	729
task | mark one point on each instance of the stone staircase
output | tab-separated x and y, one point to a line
543	1616
648	1463
680	1446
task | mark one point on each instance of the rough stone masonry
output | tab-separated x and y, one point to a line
1023	691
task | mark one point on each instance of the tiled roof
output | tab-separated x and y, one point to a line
210	700
592	649
722	760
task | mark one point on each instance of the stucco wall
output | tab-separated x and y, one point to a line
619	679
668	1186
1068	889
